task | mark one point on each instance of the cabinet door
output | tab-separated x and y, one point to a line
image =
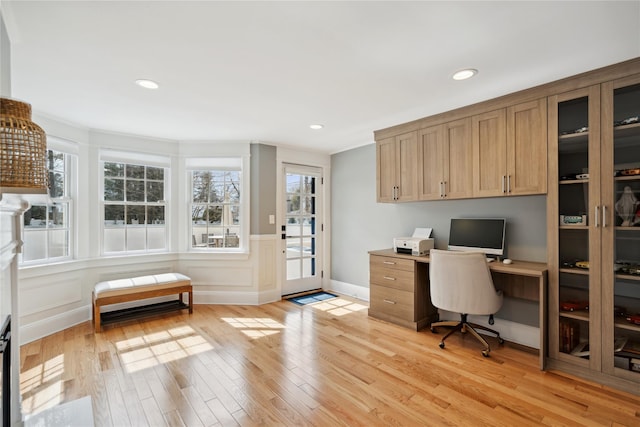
621	228
527	148
386	169
573	246
489	134
431	153
407	167
458	163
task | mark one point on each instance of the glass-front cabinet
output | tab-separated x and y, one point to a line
573	207
593	218
621	232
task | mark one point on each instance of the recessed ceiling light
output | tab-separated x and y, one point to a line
316	126
147	84
465	74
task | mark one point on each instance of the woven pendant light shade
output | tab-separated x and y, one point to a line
23	149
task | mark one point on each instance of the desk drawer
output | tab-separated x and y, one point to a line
392	302
388	277
390	262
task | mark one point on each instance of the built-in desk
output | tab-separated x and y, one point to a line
399	289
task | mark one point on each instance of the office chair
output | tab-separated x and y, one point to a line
461	282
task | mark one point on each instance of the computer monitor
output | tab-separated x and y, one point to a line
477	234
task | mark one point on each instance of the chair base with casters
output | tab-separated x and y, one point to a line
464	326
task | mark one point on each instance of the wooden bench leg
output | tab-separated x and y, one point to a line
96	314
191	302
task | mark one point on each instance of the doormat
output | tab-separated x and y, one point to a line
311	298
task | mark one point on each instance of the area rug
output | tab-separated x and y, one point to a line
311	298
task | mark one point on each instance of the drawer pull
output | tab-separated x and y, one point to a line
389	278
389	262
389	301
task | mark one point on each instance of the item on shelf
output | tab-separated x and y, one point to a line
634	365
619	344
573	220
581	350
574	176
627	121
626	206
634	319
574	305
582	264
629	172
579	130
569	335
633	269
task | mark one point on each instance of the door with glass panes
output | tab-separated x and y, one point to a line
302	229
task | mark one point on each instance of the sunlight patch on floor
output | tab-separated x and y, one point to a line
339	306
255	327
48	374
150	350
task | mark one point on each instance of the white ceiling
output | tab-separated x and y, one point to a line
264	71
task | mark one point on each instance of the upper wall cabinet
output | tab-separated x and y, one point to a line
445	159
510	150
397	168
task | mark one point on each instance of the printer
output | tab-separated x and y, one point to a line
418	245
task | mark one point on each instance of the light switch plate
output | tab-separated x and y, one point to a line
272	219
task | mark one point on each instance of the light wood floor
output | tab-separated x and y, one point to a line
323	365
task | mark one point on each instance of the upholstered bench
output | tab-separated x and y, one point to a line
138	288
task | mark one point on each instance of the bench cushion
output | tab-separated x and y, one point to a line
133	285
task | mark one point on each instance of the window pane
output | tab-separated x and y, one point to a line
155	215
155	238
113	169
114	239
55	161
294	228
293	183
35	245
135	171
36	217
155	191
309	184
58	215
113	215
308	267
58	243
56	184
113	190
135	191
199	214
200	186
235	215
217	193
136	239
214	215
155	173
293	203
233	193
293	269
136	215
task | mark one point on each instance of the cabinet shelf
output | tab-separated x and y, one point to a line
622	323
628	277
574	181
582	315
626	130
579	271
574	227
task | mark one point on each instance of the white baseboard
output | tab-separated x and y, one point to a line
344	288
227	297
51	325
511	331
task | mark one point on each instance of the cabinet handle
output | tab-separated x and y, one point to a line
604	216
504	186
395	192
444	189
508	183
389	301
389	262
388	278
597	215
